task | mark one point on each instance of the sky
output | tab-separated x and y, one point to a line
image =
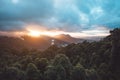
79	18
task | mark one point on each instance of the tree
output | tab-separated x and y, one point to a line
50	73
42	64
78	73
11	73
116	53
51	52
55	73
60	72
64	61
104	72
32	73
91	74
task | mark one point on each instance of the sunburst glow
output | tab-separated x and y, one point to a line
34	33
37	31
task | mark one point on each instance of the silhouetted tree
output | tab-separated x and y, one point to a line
116	53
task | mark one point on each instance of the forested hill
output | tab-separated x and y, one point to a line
41	43
81	61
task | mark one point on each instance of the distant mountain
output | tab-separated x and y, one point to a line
43	41
68	38
40	43
8	43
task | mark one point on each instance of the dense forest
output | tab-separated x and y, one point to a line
98	60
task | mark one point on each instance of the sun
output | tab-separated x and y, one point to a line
34	33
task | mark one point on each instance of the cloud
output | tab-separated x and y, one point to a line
25	9
14	17
97	31
66	15
11	25
97	12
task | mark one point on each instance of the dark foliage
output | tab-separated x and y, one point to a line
83	61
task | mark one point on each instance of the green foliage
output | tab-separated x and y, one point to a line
17	65
12	73
50	73
92	74
55	73
60	72
64	62
78	73
32	73
42	64
104	71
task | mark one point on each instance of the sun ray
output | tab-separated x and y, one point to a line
34	33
